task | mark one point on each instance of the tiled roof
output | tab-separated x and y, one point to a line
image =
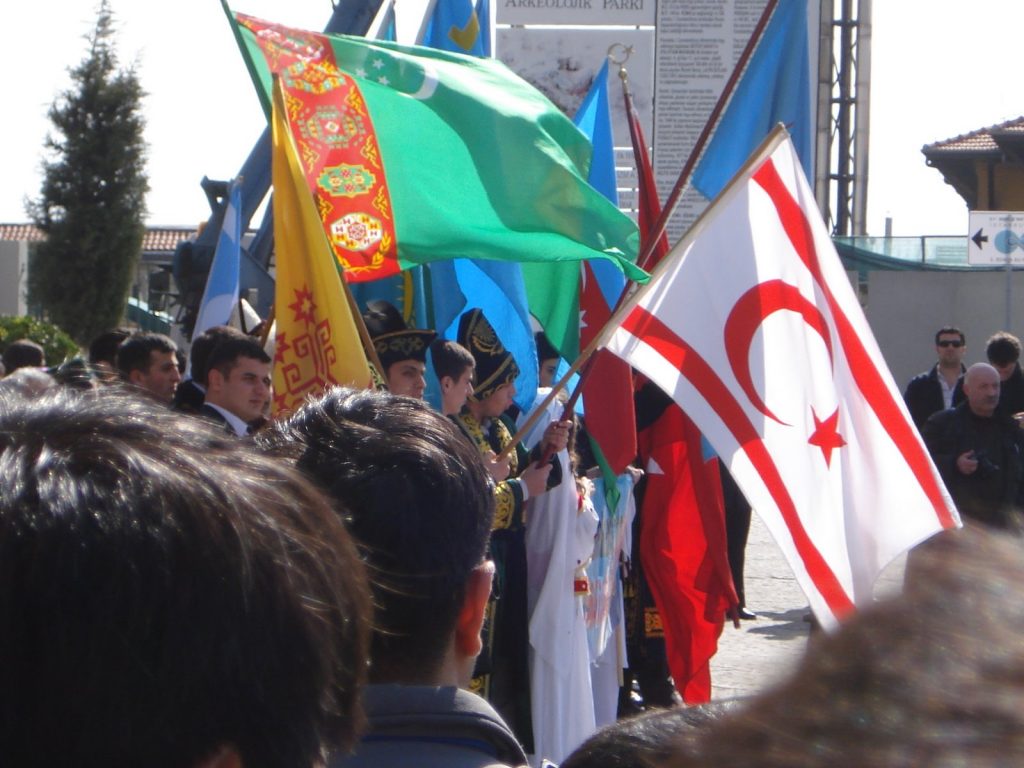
19	233
156	239
980	141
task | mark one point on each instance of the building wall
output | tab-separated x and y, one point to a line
1009	187
13	277
906	308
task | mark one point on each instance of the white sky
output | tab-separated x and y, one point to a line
939	68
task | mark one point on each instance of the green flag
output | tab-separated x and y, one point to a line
416	155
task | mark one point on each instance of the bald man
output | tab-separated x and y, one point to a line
978	451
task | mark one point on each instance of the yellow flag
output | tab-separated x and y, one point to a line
317	345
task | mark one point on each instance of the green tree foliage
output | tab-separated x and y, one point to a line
59	345
92	202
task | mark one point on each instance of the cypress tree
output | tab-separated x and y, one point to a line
92	201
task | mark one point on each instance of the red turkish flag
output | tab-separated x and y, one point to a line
608	387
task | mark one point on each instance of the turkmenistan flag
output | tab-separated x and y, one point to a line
416	155
317	344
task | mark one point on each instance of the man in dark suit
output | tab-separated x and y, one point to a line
237	384
191	393
932	390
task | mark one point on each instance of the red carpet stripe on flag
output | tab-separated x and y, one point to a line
651	331
865	373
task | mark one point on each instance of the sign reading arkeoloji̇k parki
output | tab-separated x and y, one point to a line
586	12
994	237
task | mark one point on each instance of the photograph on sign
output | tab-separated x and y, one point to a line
562	65
578	12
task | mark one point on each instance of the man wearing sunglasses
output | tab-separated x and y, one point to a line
932	390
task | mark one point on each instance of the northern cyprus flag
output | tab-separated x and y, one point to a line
752	326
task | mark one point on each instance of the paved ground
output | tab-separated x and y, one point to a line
763	651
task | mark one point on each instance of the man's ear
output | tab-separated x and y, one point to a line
214	380
447	382
225	756
136	376
474	605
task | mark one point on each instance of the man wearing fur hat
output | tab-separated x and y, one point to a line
506	682
402	350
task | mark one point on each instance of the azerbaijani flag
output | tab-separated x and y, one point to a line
416	155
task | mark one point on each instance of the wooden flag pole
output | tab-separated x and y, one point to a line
267	325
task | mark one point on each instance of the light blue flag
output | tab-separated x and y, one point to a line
496	287
775	88
221	292
594	118
460	26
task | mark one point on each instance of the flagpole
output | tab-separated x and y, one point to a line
557	387
684	176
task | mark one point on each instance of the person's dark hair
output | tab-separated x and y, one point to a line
949	330
419	503
450	358
199	354
75	373
1002	348
545	349
934	677
23	353
134	352
646	740
224	355
103	348
165	592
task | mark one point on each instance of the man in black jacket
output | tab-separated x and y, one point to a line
977	450
932	390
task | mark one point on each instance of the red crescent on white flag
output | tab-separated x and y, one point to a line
749	312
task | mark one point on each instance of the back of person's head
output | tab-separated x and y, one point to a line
450	358
27	383
134	352
166	595
103	348
203	345
645	740
1002	348
23	353
75	373
419	503
934	677
225	353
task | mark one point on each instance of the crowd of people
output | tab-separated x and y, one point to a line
185	581
971	420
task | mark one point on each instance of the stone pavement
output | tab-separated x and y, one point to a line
764	651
